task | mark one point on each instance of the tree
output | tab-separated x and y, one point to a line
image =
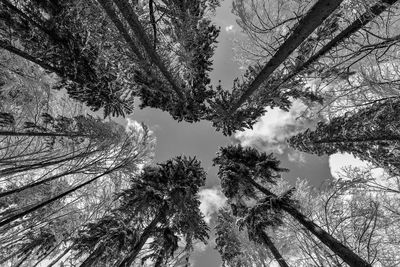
245	172
102	70
257	220
184	39
227	240
353	209
332	35
53	36
160	204
88	185
234	245
370	134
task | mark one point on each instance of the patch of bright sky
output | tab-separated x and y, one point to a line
212	200
338	161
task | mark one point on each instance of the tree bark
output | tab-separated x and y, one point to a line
345	253
108	8
365	18
314	17
271	246
133	21
30	58
147	232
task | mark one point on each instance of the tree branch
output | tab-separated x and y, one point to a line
314	17
136	27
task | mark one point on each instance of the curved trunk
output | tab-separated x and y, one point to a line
271	246
345	253
147	232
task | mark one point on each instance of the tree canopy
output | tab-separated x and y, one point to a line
78	185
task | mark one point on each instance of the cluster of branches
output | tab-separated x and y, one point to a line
361	213
104	56
107	64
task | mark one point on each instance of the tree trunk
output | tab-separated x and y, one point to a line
345	253
30	58
89	261
147	232
23	168
30	20
271	246
135	25
51	200
13	191
314	17
382	138
364	19
43	134
108	8
59	257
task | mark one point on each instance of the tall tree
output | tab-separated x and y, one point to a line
161	204
234	245
370	134
181	36
54	36
359	209
247	173
297	67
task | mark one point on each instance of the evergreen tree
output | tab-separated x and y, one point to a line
371	134
182	37
292	56
245	173
54	35
161	204
227	241
234	245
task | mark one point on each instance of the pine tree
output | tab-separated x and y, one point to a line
160	204
244	172
371	134
227	241
54	36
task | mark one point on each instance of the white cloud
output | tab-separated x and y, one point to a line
272	130
296	156
229	28
211	200
338	161
199	247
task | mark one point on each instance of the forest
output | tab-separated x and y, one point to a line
79	185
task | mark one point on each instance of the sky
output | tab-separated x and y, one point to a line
201	139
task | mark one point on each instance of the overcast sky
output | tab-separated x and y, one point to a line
202	141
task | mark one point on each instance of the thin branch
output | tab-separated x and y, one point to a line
314	17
